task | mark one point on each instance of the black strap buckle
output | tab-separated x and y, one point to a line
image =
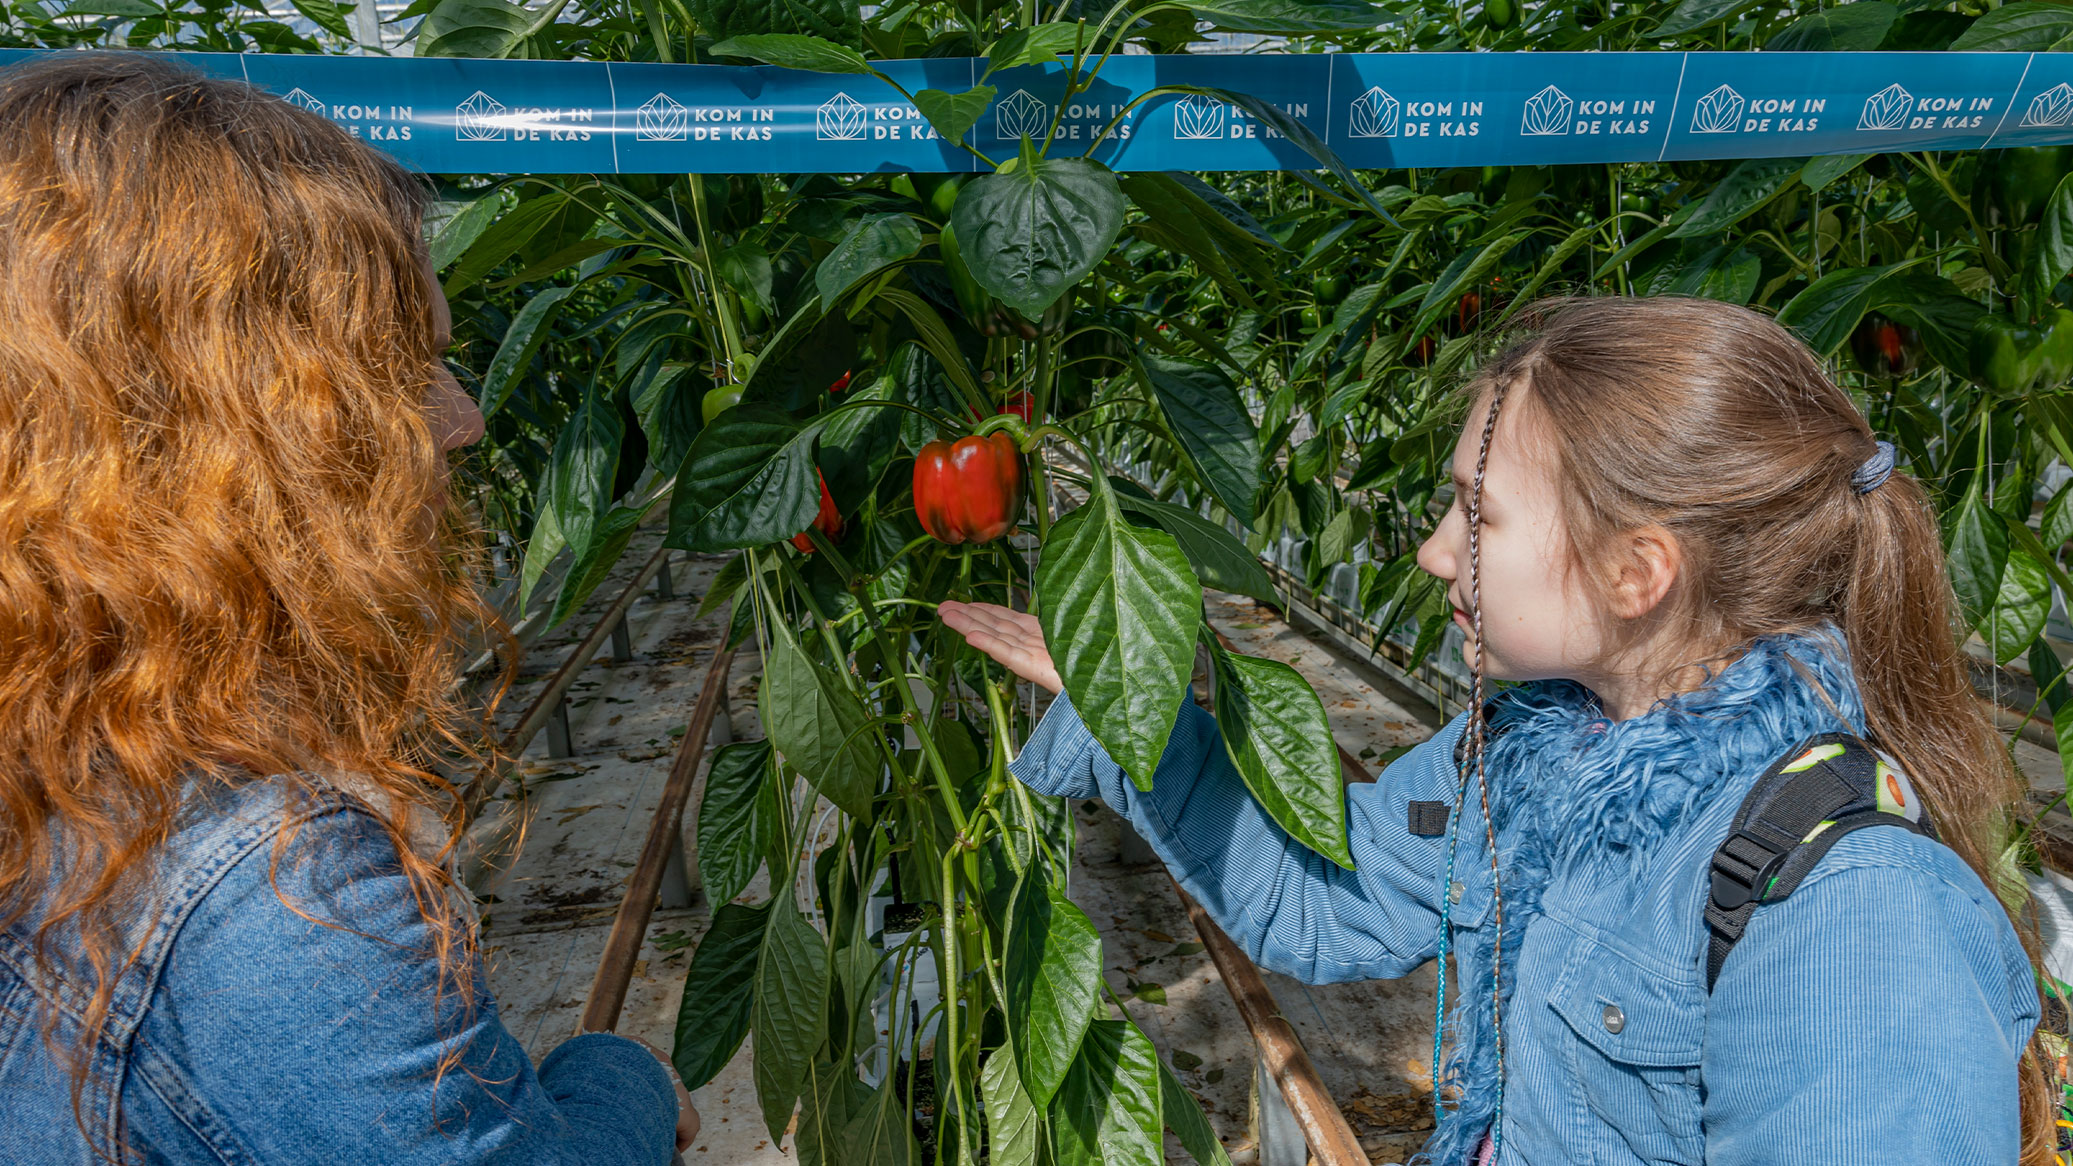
1741	867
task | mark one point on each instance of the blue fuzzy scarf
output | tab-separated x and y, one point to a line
1573	793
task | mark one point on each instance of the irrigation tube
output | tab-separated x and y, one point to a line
1374	110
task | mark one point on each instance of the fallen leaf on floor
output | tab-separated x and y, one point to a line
574	812
1161	936
1186	1061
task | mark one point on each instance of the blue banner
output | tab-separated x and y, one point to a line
1375	110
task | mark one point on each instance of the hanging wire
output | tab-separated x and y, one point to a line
1478	740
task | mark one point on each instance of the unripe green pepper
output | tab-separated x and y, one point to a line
1328	288
717	401
2005	355
1500	14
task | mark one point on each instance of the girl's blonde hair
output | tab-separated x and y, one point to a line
223	553
1715	423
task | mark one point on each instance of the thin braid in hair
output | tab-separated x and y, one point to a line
1474	763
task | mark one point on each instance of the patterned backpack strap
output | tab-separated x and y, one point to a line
1804	804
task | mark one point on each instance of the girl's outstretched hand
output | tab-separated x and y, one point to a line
1011	637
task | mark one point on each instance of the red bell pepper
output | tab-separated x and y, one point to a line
841	382
970	491
828	521
1022	405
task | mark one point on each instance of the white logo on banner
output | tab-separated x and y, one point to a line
1719	112
1375	114
479	119
661	119
1547	114
1197	118
839	119
1886	109
1020	115
2053	107
313	104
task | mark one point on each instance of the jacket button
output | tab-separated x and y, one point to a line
1454	893
1615	1020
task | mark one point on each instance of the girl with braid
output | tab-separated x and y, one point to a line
1704	582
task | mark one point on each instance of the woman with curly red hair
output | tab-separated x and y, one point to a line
232	603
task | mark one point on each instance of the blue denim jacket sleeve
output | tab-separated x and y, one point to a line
1876	1015
275	1039
1290	908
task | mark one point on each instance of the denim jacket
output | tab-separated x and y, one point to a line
1876	1015
244	1033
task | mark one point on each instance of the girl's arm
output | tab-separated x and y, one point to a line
1291	909
1875	1015
272	1038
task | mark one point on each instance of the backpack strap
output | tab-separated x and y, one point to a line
1805	803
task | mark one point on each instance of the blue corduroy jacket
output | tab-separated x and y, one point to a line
1876	1015
245	1034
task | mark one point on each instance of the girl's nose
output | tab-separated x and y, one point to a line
1436	555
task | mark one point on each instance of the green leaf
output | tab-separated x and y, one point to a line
1185	1118
1693	15
1858	27
1713	270
859	441
2058	517
1300	136
2062	733
817	725
1275	730
1464	273
1219	559
590	568
832	20
872	243
880	1133
584	464
746	268
1052	968
475	28
791	1009
748	480
460	229
833	1098
954	114
714	1014
665	400
1827	309
1108	1111
1037	45
2023	601
810	350
113	8
726	582
730	831
325	15
513	230
1212	425
1751	184
1818	173
1120	604
794	51
2027	26
542	546
1291	16
522	339
1978	553
1014	1126
2050	675
1029	235
2051	253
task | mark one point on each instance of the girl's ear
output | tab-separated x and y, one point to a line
1652	563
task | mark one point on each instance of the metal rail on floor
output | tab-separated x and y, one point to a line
665	837
547	705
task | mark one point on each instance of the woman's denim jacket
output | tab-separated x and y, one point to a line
246	1033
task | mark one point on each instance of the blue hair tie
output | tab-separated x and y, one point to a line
1875	470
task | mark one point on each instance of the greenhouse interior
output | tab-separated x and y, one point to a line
1247	582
